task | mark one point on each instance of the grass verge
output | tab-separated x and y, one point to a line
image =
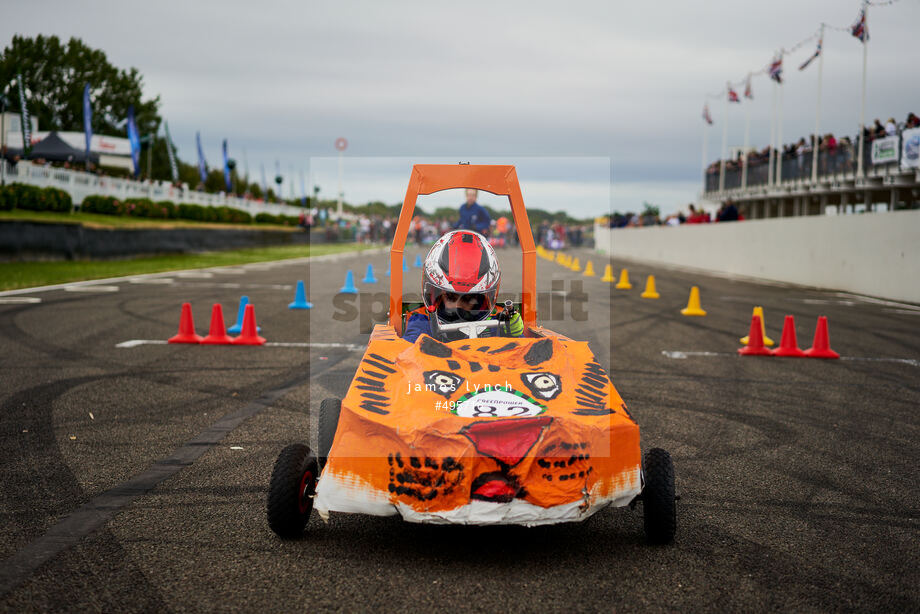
97	220
15	275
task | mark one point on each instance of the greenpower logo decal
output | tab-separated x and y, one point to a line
502	402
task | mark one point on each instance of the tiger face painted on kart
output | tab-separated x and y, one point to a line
481	431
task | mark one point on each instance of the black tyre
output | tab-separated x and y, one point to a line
659	510
329	411
290	493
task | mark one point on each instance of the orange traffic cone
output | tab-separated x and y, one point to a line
650	291
755	345
218	333
693	307
589	270
608	274
821	347
249	336
186	327
788	345
758	311
623	284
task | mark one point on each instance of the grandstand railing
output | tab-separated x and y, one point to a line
80	184
837	165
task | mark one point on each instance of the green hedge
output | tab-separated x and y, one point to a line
284	220
33	198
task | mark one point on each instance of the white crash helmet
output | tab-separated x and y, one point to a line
463	263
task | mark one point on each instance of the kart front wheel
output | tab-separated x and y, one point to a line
658	507
329	411
291	490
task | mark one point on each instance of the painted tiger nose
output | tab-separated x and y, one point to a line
507	441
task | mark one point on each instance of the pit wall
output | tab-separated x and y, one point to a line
876	254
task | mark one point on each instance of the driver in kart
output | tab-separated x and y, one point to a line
460	284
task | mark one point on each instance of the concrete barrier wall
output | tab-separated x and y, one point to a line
874	254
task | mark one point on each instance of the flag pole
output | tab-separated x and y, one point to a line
724	145
814	162
705	153
779	139
747	142
860	168
772	159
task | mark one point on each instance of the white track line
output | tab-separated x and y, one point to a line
349	347
19	300
96	288
681	355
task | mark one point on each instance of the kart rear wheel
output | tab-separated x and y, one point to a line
329	411
290	493
658	507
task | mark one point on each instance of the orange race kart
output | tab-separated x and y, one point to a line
484	430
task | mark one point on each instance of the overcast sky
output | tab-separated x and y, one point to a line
609	93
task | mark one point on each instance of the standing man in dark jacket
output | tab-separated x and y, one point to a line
473	216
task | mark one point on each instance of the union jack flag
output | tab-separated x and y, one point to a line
859	29
748	92
733	95
813	56
776	69
706	116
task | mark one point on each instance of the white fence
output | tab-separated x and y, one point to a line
80	184
875	253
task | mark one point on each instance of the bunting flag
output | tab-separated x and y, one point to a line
202	165
859	29
87	119
227	168
173	169
706	116
733	95
748	92
135	140
812	57
24	120
776	69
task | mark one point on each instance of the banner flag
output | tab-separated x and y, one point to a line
706	116
859	29
227	169
748	92
733	95
303	190
173	169
87	119
24	120
264	185
776	69
812	57
202	165
135	141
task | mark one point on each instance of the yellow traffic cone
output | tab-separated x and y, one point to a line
576	265
758	311
650	291
589	270
693	305
608	274
560	257
623	284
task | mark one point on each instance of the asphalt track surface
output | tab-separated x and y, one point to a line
798	477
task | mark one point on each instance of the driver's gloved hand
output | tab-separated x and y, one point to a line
515	327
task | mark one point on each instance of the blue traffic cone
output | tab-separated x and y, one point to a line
388	269
237	328
418	261
300	298
405	266
349	287
369	277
